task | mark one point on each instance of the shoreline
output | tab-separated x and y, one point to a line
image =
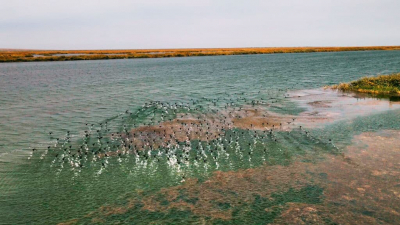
9	55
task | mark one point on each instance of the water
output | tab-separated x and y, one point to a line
41	97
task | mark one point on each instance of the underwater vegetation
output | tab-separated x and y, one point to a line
383	84
184	210
68	55
358	187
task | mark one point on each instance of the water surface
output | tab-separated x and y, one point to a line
41	97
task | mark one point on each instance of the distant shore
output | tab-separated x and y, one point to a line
15	55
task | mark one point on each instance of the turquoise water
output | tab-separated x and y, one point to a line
66	98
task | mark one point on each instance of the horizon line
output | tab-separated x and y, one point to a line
113	49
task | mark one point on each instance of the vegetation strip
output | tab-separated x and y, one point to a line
383	84
10	55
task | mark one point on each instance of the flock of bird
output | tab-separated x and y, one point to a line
207	131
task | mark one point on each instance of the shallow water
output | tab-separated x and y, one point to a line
228	100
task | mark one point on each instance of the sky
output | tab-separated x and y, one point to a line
150	24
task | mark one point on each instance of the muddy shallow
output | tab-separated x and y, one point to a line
361	185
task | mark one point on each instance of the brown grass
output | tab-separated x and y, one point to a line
10	55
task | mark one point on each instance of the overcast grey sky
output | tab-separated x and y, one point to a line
138	24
